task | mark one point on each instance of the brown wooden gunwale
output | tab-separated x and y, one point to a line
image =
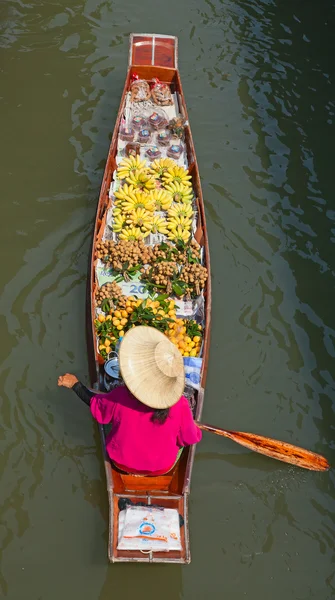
175	487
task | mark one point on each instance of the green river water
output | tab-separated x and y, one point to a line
258	78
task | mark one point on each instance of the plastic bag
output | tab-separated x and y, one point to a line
192	309
192	367
140	90
145	528
161	93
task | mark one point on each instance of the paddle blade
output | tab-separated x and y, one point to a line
274	448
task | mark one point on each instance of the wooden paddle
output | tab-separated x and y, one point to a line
273	448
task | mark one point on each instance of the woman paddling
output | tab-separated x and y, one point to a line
151	420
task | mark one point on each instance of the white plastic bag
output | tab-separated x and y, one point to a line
145	528
192	367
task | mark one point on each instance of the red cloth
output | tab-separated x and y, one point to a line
135	441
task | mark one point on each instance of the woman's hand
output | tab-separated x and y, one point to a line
67	380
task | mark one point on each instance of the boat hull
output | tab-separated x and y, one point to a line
170	490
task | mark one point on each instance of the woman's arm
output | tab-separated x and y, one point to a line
83	392
71	381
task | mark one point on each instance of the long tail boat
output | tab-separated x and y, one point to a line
150	56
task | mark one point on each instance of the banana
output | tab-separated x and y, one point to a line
162	199
179	192
140	218
181	210
127	165
141	180
119	223
137	200
158	225
177	174
160	165
124	191
132	233
117	210
182	221
179	234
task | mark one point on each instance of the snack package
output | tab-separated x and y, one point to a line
127	134
144	136
177	127
132	149
158	120
175	150
138	122
140	90
161	93
163	138
153	153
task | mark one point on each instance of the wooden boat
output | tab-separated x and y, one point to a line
149	56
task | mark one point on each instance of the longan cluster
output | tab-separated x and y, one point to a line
116	254
108	291
195	275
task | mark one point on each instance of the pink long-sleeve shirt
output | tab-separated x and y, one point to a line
137	443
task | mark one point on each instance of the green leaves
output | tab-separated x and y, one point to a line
170	251
125	273
192	328
105	306
190	258
161	297
144	315
179	287
180	245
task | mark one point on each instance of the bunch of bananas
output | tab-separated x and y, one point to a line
141	218
178	233
137	199
181	210
128	165
182	221
158	225
119	222
141	180
176	174
179	192
160	165
132	233
123	192
162	199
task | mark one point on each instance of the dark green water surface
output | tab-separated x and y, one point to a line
258	76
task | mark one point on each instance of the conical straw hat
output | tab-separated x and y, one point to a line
151	367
